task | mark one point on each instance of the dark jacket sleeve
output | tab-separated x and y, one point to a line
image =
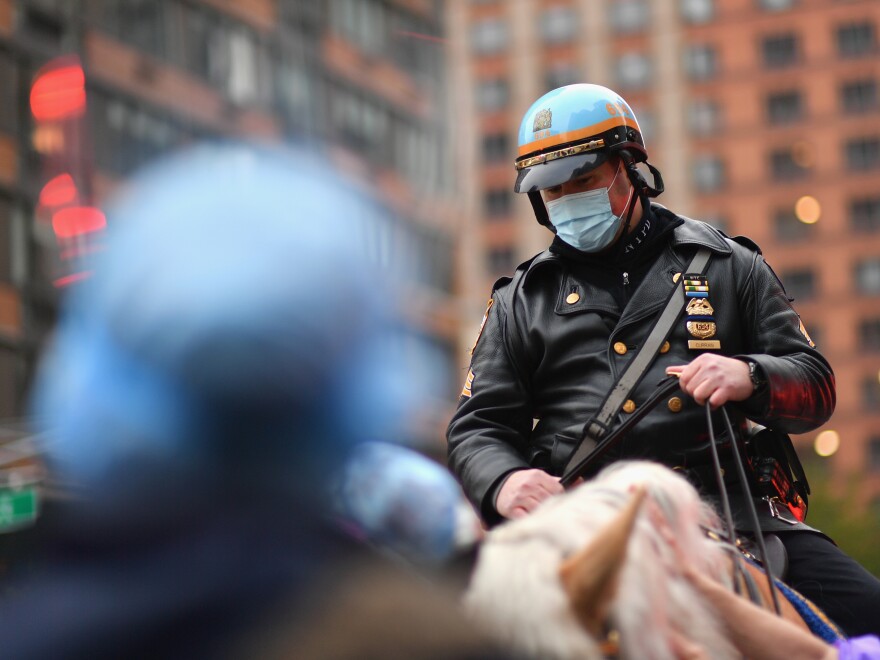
801	392
489	430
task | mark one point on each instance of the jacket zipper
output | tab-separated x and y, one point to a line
625	279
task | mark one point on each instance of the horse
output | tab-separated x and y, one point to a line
598	572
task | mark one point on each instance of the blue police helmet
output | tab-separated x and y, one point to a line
401	501
235	317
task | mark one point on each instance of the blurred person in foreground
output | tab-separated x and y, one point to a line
557	336
231	348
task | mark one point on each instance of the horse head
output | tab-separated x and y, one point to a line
591	572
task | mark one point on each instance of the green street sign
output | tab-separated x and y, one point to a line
18	507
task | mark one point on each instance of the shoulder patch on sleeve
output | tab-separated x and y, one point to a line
468	384
804	332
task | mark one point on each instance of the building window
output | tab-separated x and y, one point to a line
433	256
871	393
408	143
228	55
708	174
785	107
489	37
697	11
242	68
776	5
6	240
496	147
633	70
864	215
786	166
700	62
788	228
859	96
874	463
140	23
628	16
559	24
560	74
498	203
500	260
416	250
128	135
41	26
493	95
867	276
856	39
362	125
10	79
800	284
414	55
363	23
11	371
704	117
780	50
869	334
863	154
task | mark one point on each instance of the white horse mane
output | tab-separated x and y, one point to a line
516	592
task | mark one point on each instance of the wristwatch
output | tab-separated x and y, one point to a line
756	375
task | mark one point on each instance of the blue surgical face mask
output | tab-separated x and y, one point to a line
585	220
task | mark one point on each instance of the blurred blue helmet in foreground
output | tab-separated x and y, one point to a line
401	501
233	319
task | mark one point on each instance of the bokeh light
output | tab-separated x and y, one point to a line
808	210
827	443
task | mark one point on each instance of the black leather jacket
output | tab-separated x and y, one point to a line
543	364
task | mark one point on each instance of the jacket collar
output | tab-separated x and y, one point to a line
695	232
691	232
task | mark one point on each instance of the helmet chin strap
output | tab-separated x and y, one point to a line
640	185
639	181
540	210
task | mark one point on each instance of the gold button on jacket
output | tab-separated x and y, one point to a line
619	348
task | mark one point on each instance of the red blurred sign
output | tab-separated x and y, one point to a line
59	93
60	136
77	221
59	191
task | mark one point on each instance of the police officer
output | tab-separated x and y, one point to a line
558	334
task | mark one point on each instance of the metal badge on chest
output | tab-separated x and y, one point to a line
700	320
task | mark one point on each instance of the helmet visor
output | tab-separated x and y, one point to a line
556	172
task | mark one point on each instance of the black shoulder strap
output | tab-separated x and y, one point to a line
596	428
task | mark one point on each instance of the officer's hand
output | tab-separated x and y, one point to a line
523	491
715	378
